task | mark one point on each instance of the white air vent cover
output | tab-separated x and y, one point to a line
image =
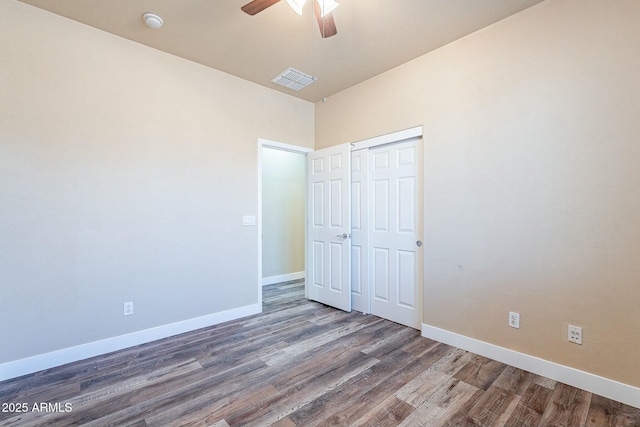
293	79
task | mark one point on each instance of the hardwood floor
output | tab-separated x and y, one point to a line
300	363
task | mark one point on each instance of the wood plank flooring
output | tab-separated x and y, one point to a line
300	363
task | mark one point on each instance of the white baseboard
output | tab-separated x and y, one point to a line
282	278
37	363
611	389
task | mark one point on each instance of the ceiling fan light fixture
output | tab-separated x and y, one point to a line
152	20
297	5
327	6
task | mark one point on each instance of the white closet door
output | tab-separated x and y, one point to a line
360	231
329	254
396	232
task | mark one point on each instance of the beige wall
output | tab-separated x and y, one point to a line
124	176
283	199
532	178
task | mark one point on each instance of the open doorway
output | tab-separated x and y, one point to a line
282	223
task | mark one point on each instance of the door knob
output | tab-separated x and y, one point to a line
343	236
419	243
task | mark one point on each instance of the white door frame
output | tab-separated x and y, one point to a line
389	138
266	143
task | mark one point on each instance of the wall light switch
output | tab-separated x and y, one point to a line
249	220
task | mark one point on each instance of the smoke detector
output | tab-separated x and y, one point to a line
152	20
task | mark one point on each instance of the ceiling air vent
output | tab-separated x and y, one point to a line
293	79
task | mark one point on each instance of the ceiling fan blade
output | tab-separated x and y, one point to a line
257	6
326	24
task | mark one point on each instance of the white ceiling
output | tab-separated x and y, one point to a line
373	35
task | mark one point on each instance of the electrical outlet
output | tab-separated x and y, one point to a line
574	334
128	308
514	319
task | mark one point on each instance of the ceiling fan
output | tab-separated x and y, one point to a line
322	10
